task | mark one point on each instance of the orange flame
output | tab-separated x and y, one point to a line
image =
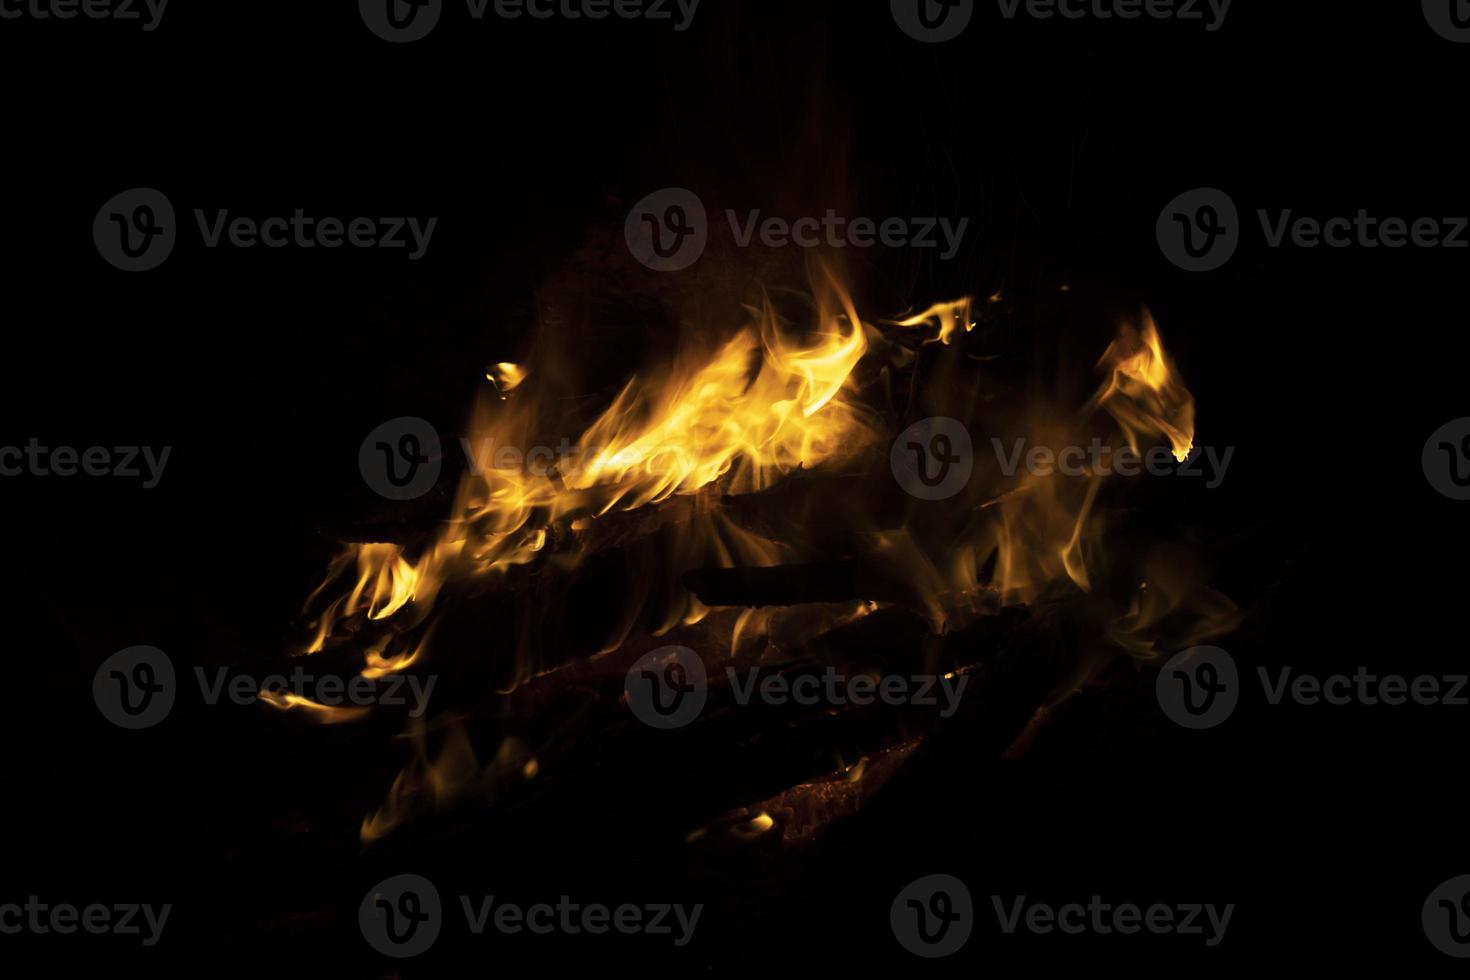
322	713
947	317
769	401
1143	391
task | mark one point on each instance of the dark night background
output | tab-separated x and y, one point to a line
263	369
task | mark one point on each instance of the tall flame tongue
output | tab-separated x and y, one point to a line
1144	393
765	405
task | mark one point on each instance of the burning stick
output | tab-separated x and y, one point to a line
732	481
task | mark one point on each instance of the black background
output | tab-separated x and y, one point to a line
1060	141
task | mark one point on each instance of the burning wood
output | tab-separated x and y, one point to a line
736	500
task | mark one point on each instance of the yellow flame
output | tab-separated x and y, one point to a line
728	417
771	399
506	376
946	317
385	583
322	713
379	665
424	782
1143	391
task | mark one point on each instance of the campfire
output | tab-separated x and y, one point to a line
790	492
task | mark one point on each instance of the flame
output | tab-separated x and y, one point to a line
322	713
425	783
729	418
385	584
1143	391
769	400
506	376
946	317
767	403
1043	528
381	665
